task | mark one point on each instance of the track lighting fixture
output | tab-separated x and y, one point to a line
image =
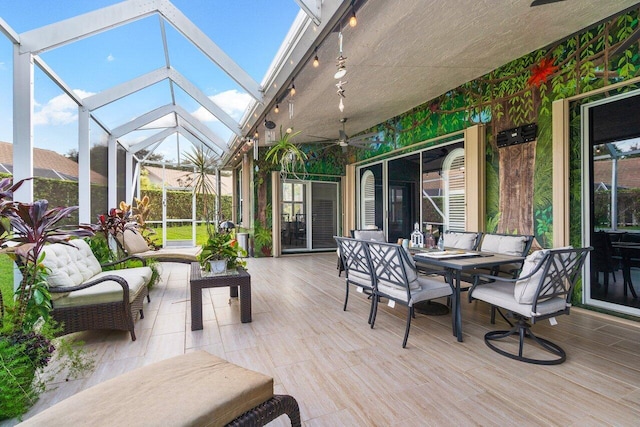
353	21
292	90
316	61
277	109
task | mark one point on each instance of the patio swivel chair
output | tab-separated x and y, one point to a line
542	291
396	278
356	266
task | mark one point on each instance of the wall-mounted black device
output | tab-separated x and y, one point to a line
519	135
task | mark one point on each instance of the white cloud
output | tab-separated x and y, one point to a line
232	102
60	110
111	58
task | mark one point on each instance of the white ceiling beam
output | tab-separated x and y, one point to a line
56	79
202	128
210	49
134	85
127	88
160	112
313	9
195	139
81	26
205	101
8	32
142	120
160	136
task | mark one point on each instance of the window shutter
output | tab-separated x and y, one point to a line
455	202
368	200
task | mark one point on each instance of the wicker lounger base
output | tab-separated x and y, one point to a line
268	411
114	315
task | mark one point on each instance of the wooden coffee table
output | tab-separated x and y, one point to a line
233	280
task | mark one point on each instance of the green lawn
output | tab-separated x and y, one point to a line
181	233
6	279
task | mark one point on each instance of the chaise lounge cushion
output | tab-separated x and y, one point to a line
135	244
195	389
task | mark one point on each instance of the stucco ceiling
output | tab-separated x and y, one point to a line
402	54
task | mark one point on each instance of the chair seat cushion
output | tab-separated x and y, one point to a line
360	278
195	389
500	293
108	291
429	288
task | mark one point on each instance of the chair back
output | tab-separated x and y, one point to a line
467	240
355	259
602	256
375	235
561	269
393	268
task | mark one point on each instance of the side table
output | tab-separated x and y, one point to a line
198	282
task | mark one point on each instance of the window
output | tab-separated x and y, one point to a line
368	200
454	199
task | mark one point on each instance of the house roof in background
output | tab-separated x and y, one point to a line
180	178
628	176
47	164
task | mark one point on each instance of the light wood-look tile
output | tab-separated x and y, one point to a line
343	373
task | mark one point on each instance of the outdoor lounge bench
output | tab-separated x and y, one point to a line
195	389
132	243
84	297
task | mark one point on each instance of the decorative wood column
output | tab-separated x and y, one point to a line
560	141
276	247
475	177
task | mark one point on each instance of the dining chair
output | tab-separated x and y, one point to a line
543	290
602	260
396	278
372	233
357	267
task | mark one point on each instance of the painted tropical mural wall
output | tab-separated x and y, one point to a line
519	177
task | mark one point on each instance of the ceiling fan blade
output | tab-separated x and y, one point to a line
322	141
321	138
363	137
543	2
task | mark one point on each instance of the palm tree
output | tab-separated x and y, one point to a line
204	164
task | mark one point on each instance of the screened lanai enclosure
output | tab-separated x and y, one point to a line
399	127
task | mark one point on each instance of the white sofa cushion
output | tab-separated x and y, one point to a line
508	245
460	240
70	265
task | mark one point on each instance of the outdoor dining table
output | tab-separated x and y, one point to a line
628	250
454	262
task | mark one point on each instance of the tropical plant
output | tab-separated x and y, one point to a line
222	245
204	165
26	329
287	154
263	239
140	214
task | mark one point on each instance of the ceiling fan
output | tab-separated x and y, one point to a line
345	141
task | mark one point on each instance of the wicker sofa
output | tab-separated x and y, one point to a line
84	297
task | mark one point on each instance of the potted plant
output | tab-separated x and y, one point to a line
221	251
287	154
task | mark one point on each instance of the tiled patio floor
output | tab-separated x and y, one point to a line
344	373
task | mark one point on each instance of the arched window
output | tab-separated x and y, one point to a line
367	199
454	198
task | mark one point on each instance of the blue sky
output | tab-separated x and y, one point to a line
249	31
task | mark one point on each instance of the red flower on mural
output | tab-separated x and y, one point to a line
541	72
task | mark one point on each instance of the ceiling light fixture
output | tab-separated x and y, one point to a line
353	21
316	61
292	90
277	109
